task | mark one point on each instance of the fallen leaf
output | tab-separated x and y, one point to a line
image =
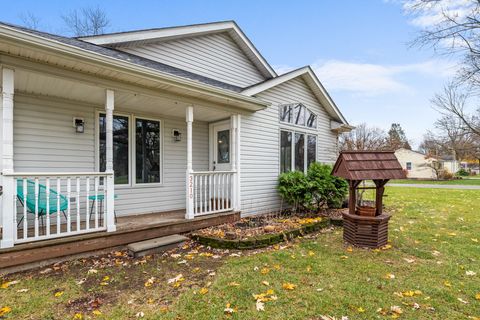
396	309
408	260
470	273
92	271
260	305
311	253
234	284
22	290
349	249
288	286
177	279
78	316
97	312
58	294
140	314
477	296
265	271
389	276
5	310
447	283
149	282
462	301
360	310
228	309
5	285
203	291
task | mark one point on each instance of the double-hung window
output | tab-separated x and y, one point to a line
136	149
298	147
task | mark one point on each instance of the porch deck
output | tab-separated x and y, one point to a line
130	229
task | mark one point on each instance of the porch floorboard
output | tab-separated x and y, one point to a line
130	229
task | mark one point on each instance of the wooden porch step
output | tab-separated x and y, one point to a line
156	245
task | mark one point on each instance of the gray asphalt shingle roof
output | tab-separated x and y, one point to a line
109	52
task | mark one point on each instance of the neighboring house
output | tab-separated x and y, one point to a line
416	164
186	119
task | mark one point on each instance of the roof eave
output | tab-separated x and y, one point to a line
252	104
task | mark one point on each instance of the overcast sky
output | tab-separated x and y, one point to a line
359	49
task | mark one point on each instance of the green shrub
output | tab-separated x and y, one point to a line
313	191
325	189
462	173
293	188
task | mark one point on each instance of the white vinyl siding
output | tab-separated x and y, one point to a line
45	141
260	138
215	56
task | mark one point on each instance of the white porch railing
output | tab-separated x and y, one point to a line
213	191
53	205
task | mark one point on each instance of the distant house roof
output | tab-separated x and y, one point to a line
117	54
368	165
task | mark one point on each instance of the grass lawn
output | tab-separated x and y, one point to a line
464	181
431	271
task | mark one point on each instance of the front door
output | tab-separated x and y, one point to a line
220	143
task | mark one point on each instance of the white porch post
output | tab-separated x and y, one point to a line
110	182
238	192
189	177
233	187
8	201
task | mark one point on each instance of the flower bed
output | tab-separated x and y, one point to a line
259	232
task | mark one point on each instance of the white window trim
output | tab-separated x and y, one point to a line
134	152
302	127
131	147
305	150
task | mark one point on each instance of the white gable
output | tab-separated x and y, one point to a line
214	56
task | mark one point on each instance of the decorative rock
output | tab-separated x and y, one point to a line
269	228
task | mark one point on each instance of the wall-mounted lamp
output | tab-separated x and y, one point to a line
176	135
79	125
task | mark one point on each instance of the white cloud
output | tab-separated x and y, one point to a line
375	79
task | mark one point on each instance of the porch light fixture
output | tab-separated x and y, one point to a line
79	125
176	135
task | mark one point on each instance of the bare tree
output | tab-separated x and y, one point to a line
454	101
363	138
86	21
30	20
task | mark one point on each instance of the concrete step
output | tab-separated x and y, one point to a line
156	245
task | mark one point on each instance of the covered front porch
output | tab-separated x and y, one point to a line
62	170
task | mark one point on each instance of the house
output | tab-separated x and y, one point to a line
416	164
154	127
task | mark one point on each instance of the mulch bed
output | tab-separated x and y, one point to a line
261	231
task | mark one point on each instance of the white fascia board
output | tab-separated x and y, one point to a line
97	58
318	89
122	38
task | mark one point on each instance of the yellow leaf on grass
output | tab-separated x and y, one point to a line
309	268
447	283
288	286
78	316
311	253
389	276
106	278
344	257
97	312
265	283
349	249
4	310
360	310
477	296
265	270
58	294
118	254
5	285
474	239
203	291
234	284
149	282
276	267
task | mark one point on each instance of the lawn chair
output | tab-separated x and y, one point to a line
29	201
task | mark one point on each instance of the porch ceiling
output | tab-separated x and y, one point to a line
32	83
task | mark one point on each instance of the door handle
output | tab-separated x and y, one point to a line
214	166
